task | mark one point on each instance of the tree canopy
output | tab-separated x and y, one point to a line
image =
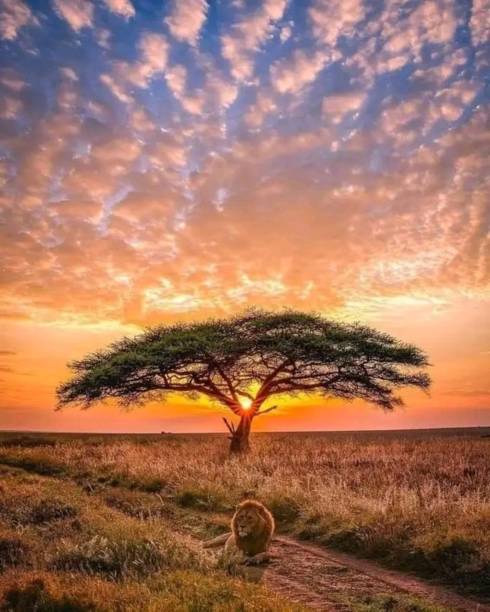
244	360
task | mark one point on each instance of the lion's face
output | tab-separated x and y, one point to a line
247	522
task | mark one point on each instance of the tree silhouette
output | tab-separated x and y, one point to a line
243	361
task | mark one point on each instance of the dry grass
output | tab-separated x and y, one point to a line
419	502
63	550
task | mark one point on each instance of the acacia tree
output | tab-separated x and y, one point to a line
243	361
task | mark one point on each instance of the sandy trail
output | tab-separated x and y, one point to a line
325	580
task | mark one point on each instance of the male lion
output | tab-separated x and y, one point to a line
252	527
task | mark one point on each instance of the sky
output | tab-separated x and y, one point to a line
168	161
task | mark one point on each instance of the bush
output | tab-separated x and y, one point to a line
13	551
462	564
181	591
201	499
118	558
18	511
51	510
136	504
285	509
38	464
27	442
388	603
34	596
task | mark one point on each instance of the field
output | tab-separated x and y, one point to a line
114	522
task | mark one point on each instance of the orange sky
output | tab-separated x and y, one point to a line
454	334
193	159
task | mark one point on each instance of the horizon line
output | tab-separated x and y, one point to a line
204	433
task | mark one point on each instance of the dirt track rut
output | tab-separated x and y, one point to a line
325	580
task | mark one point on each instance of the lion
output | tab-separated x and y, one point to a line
252	528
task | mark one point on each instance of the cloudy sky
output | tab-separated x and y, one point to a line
162	161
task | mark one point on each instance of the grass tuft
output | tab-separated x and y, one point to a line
13	550
120	558
35	596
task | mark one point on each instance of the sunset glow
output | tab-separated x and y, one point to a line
246	403
174	161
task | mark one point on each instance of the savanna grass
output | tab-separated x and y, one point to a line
62	549
417	502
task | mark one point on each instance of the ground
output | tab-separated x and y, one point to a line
116	522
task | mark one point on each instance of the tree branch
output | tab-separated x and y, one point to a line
266	410
262	392
230	426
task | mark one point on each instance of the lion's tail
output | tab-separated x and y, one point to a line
219	541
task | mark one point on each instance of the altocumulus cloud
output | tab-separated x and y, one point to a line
184	161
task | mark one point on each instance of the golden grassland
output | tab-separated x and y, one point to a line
112	510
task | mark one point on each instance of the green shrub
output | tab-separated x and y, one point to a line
201	499
461	563
284	508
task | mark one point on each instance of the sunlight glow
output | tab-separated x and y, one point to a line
246	403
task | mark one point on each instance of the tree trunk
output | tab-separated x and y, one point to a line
240	437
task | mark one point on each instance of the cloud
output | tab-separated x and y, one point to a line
103	37
140	120
199	195
11	80
186	19
286	32
215	93
77	14
452	101
176	77
438	74
248	34
480	22
123	8
400	34
350	235
153	50
411	120
291	74
332	19
432	21
117	86
10	107
336	106
264	105
69	73
14	15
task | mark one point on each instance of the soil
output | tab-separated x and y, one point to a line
327	580
323	579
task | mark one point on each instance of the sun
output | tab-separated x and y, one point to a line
245	403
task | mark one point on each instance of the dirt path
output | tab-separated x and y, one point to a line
325	580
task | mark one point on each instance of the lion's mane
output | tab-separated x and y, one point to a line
260	524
